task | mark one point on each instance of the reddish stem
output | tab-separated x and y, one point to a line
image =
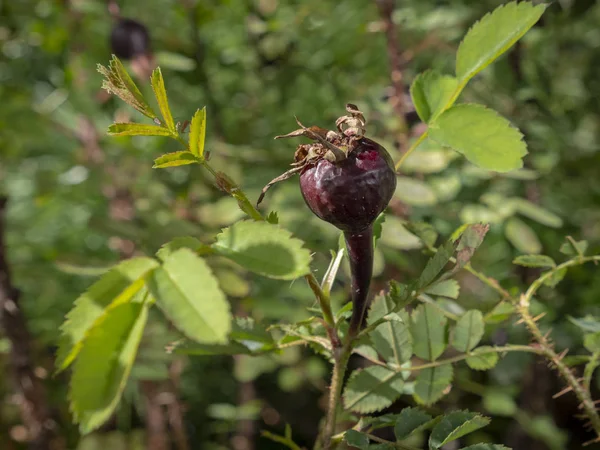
360	254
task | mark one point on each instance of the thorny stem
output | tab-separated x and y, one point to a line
341	357
458	358
583	395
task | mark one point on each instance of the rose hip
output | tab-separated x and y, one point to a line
346	180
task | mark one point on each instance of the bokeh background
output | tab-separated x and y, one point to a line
79	200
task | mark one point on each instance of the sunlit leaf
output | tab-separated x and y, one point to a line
137	129
485	138
198	133
264	248
431	92
158	86
493	35
174	159
118	285
188	293
104	364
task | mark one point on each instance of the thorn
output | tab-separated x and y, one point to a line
538	317
593	441
520	321
563	392
547	333
562	355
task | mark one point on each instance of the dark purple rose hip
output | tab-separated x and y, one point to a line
346	180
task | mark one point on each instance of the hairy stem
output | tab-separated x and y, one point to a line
360	255
341	357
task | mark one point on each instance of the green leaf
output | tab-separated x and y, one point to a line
188	293
499	403
372	389
356	439
431	384
429	332
589	323
431	92
480	134
265	249
273	218
137	129
414	192
181	242
174	159
401	294
501	312
522	236
592	342
445	288
391	339
435	265
482	360
468	331
424	231
556	277
104	364
118	82
198	133
454	426
485	447
537	213
572	247
117	286
410	421
534	261
158	86
493	35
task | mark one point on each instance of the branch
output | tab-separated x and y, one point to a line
35	411
386	9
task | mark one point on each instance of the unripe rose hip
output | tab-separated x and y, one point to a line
346	180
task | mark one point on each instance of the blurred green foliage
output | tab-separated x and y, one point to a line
79	199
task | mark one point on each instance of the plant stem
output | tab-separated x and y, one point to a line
360	256
325	305
341	357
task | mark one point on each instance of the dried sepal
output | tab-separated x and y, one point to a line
281	177
118	82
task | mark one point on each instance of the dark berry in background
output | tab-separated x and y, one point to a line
129	39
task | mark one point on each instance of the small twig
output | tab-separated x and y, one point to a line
386	9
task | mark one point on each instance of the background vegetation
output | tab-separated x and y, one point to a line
79	200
